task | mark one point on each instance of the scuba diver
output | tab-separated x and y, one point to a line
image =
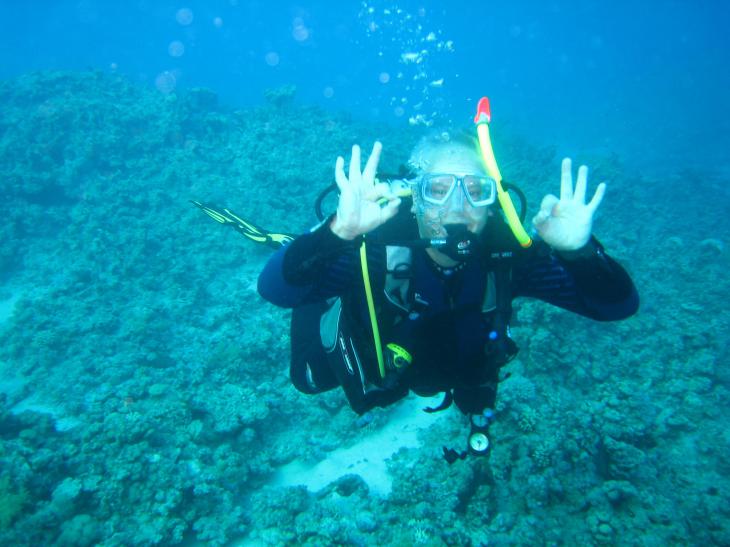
390	298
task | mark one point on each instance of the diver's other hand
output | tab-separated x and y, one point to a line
359	209
565	224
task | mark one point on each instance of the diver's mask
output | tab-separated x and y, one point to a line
438	188
445	191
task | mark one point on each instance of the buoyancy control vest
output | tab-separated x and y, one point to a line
346	337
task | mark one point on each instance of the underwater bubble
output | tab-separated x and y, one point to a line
299	31
113	66
184	16
410	57
217	22
384	77
271	58
328	92
165	82
410	42
300	34
176	48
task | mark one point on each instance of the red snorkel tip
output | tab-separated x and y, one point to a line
484	114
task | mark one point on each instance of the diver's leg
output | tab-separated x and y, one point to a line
475	400
309	371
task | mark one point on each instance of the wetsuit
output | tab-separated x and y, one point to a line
446	330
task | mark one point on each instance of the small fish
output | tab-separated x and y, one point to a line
437	83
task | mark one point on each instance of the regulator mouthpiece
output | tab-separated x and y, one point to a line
460	244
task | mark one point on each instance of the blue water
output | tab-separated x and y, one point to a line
646	80
144	388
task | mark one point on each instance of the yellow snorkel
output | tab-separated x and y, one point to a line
482	119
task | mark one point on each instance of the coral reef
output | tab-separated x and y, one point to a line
11	502
144	396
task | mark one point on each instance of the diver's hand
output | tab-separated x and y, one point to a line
565	224
359	209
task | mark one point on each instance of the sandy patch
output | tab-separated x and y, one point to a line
368	457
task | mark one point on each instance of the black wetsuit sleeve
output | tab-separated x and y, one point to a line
315	266
587	281
309	256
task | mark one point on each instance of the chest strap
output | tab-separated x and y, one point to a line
399	272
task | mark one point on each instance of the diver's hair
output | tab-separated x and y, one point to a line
439	143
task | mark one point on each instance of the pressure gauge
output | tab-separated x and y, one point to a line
479	442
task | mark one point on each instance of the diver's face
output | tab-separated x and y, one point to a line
457	209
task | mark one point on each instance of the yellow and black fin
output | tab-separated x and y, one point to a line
245	227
